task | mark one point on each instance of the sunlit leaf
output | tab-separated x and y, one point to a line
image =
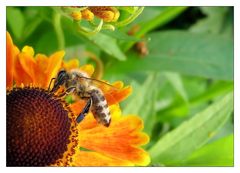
218	153
191	135
209	56
108	45
142	102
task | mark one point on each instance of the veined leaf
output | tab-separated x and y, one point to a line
108	45
218	153
177	83
203	55
142	102
191	135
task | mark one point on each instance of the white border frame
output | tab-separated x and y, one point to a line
235	3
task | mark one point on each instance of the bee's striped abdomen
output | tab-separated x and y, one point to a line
100	108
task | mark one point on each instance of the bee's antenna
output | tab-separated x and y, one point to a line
50	83
99	81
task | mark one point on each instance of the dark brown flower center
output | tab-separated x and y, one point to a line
39	128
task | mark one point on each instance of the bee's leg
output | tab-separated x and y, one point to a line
85	110
68	91
50	83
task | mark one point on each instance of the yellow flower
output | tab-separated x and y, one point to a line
102	17
108	14
42	128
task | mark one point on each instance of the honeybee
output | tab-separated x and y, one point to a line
78	83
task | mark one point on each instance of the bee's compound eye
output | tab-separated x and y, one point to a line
62	73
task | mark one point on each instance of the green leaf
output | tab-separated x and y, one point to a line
33	17
203	55
213	23
16	21
31	27
218	153
174	94
44	40
218	89
177	83
137	102
121	36
192	134
108	45
165	16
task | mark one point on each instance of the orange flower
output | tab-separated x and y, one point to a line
42	128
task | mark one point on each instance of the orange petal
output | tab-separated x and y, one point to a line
28	62
42	62
71	64
116	93
54	65
77	106
12	51
120	140
19	74
87	158
118	84
41	78
115	96
89	69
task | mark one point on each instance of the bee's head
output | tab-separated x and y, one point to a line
62	74
60	80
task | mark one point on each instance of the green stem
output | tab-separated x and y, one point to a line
86	31
98	72
158	21
58	30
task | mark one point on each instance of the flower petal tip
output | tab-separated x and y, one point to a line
88	68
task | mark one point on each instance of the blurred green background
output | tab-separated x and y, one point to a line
182	88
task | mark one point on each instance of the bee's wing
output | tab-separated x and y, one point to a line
109	90
103	85
112	92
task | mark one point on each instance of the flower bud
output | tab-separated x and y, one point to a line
108	14
76	15
87	15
